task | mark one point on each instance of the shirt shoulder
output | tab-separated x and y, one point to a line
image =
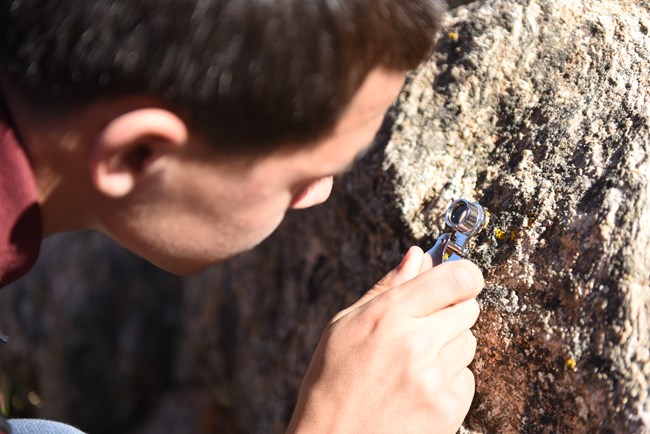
20	214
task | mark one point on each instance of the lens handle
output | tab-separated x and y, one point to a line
463	220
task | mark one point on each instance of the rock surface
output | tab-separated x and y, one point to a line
540	110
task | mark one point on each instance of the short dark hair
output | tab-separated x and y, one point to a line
251	74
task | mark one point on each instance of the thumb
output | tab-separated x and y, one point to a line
409	268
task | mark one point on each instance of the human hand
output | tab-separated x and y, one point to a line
396	361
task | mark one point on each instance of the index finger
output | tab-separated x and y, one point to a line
444	285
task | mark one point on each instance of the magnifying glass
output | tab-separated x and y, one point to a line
463	220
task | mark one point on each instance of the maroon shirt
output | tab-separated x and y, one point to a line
20	214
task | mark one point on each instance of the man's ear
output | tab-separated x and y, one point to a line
126	148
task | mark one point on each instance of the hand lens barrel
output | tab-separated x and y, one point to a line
464	216
463	220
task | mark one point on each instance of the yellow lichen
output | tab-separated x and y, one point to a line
487	218
453	36
571	363
499	234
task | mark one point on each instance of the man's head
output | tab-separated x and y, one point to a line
186	128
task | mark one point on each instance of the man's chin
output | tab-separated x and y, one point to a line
182	270
184	267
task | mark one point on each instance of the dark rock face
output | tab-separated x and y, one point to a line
93	335
538	109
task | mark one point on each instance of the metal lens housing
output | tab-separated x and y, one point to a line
465	217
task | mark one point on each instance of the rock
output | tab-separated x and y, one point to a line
543	110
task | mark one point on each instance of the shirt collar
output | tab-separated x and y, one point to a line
20	214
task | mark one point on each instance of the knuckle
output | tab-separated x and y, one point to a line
444	405
446	399
463	391
412	347
433	384
467	277
382	311
390	298
468	383
462	282
380	320
449	411
373	323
